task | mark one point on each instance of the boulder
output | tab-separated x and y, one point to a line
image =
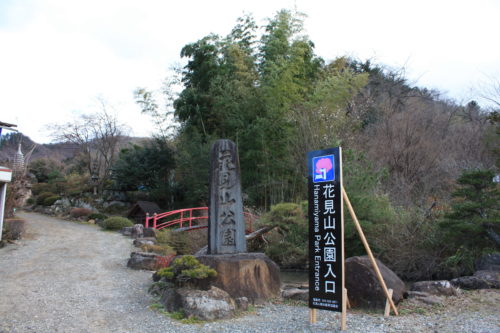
491	277
143	260
242	303
480	280
209	304
144	241
363	287
438	288
15	228
251	275
416	294
489	262
126	231
431	300
296	294
137	231
149	232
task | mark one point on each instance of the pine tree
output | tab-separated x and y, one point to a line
474	220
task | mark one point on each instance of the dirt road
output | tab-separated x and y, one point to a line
71	277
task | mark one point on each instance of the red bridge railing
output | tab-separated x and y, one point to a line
189	218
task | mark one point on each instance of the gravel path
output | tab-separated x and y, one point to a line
70	277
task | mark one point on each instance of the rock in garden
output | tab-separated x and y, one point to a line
491	277
296	294
439	288
431	300
149	232
137	231
138	242
251	275
126	231
142	260
416	294
242	303
15	228
209	304
363	287
480	280
489	262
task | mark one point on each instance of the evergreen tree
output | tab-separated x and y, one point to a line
473	223
147	168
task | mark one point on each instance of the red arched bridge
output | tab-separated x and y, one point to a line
188	219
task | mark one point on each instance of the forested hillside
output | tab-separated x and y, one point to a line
58	151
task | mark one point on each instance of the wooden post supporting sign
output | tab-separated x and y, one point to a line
387	310
369	251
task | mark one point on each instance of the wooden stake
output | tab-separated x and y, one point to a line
387	310
369	251
347	300
312	316
343	317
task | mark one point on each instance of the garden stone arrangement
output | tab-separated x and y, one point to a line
217	284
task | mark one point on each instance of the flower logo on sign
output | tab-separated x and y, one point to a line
323	168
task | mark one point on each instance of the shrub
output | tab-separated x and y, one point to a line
42	187
49	201
40	199
97	216
116	223
287	244
31	201
162	249
186	271
79	212
183	242
115	209
410	245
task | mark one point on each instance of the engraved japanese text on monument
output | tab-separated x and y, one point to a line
226	223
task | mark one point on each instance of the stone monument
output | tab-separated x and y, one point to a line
226	225
240	274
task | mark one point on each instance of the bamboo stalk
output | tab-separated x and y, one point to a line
369	251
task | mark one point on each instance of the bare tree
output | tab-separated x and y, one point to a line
490	91
426	145
98	135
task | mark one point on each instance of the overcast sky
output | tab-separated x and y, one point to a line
58	56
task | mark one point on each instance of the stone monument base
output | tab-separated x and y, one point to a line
250	275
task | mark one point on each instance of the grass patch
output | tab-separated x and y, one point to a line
181	316
177	315
192	320
156	306
413	310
